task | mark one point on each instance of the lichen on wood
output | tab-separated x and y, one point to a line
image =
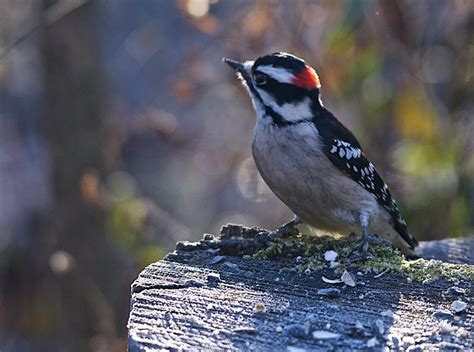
254	243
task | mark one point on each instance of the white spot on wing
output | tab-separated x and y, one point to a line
349	152
341	152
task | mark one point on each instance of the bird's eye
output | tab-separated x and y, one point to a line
260	79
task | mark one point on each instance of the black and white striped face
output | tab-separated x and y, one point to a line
282	87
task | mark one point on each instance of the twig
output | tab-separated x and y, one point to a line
382	273
50	16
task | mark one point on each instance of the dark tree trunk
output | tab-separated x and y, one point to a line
75	132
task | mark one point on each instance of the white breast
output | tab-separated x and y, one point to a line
292	163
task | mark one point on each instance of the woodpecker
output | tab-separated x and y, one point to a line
311	161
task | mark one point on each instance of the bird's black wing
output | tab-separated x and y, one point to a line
345	152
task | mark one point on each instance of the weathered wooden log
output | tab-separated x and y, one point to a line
200	298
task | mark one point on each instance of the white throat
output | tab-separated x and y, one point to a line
290	112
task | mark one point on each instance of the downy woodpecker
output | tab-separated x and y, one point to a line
310	160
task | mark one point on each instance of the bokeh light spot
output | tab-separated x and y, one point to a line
250	183
60	262
197	8
90	186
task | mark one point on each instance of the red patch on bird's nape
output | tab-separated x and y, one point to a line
306	78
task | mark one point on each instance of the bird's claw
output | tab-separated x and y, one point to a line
374	239
361	251
263	238
361	256
279	232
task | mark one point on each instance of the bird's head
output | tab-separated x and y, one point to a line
282	86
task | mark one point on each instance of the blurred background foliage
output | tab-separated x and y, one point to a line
122	132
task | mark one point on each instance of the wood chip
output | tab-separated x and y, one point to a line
325	335
348	279
372	342
387	313
331	281
458	306
330	256
381	274
260	307
445	327
329	292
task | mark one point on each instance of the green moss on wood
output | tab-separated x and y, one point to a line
312	248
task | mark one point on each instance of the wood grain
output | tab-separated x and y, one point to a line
188	301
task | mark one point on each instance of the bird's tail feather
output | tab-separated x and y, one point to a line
408	242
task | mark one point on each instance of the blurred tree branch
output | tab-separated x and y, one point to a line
50	15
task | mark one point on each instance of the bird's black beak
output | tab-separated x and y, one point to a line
236	65
240	68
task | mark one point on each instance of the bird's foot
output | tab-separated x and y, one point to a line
374	239
360	255
361	251
282	232
286	230
263	238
